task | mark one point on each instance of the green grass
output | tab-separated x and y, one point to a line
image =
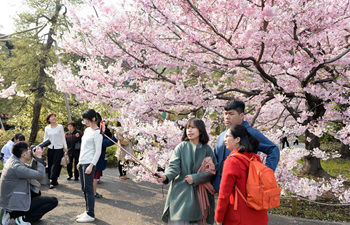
305	209
336	167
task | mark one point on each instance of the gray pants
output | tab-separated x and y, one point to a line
88	188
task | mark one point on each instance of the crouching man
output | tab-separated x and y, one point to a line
20	194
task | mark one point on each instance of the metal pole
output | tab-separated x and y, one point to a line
132	156
2	125
294	206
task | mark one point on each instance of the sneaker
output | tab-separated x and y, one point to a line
19	221
85	218
69	178
97	195
80	215
124	177
5	217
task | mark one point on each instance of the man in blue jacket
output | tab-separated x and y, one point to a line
233	115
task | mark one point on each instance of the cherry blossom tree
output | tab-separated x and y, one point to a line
288	60
7	92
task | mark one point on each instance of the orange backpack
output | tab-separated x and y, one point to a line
262	190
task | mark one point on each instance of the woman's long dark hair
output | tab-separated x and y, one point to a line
199	124
247	142
108	132
90	114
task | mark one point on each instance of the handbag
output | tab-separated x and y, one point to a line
65	159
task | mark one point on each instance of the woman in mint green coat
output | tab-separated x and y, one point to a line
182	205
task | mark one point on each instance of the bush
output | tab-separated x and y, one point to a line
112	161
331	147
7	135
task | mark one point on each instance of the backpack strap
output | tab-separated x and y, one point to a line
223	160
235	206
236	188
241	155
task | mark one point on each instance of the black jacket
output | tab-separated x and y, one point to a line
73	142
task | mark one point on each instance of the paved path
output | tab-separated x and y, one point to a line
124	203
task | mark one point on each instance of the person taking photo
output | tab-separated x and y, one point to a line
20	194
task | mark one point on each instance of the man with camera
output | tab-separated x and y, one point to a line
20	194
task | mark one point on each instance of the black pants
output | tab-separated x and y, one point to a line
54	157
296	142
122	171
39	206
73	155
285	141
87	187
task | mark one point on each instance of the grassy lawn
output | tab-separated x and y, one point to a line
336	167
310	210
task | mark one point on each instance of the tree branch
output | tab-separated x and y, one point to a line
139	60
2	37
259	110
222	56
251	93
239	21
314	70
295	37
208	23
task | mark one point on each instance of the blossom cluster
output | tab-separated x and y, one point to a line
291	184
7	92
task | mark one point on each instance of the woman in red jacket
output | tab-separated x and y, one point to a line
235	172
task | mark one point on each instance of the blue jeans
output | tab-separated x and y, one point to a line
88	188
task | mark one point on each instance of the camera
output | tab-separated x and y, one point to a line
42	145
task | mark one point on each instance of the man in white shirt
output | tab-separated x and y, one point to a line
6	151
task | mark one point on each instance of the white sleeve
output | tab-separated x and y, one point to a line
98	146
45	134
64	142
3	149
7	151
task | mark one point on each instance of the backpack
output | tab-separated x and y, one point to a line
262	190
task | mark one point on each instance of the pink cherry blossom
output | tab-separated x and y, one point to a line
286	59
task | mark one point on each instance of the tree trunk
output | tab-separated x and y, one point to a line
38	99
312	165
40	88
345	151
35	121
68	108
